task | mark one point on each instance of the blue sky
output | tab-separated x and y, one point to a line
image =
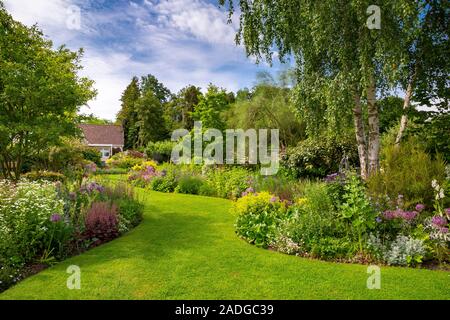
181	42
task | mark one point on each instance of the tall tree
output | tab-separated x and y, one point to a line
150	82
150	124
426	66
182	106
40	93
210	108
345	59
128	115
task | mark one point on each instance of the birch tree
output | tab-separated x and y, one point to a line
348	53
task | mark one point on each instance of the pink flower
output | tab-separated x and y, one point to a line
439	221
273	199
420	207
55	217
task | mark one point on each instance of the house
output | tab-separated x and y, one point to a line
108	139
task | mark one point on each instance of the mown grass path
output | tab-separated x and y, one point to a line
186	249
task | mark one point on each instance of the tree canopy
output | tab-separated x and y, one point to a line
40	93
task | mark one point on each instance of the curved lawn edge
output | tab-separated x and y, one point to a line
186	248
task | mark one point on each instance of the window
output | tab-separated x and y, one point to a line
105	153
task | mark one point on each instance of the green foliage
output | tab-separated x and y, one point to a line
124	160
151	125
130	213
178	112
435	134
189	185
167	183
406	170
210	107
285	188
268	106
357	209
127	115
44	176
93	155
317	157
35	117
92	119
314	217
403	251
258	216
142	113
334	248
229	182
160	151
25	212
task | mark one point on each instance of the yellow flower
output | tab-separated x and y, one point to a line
302	201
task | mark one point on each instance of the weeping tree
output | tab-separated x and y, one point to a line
348	53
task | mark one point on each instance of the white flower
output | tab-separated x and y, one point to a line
441	193
434	184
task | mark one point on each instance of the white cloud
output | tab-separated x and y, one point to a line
181	42
203	20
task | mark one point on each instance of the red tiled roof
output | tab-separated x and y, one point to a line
103	134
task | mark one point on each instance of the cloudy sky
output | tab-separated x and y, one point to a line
181	42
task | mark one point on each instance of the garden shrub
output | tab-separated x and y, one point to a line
164	183
206	190
125	160
258	217
285	188
229	182
357	210
111	171
189	185
314	224
101	224
406	170
44	176
25	212
319	156
160	151
130	213
330	248
93	155
402	251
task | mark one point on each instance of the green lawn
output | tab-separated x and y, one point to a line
186	249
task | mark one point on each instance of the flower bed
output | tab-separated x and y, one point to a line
43	222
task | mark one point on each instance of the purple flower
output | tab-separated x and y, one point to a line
378	219
244	194
420	207
389	215
409	215
273	199
438	221
443	230
55	217
400	214
250	190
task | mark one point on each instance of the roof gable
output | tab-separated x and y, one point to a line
103	134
